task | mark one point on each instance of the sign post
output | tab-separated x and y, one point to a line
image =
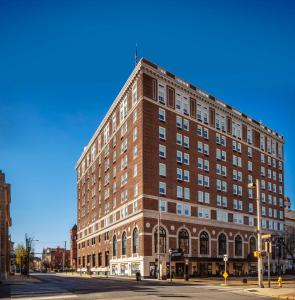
225	274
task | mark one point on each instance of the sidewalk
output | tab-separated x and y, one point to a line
234	281
277	293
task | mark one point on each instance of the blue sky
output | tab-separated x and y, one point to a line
63	62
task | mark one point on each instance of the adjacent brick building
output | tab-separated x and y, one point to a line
5	223
56	258
169	152
73	247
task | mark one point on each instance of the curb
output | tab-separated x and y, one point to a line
284	297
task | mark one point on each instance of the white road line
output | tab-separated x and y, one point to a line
49	297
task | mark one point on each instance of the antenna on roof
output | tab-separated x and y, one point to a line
135	55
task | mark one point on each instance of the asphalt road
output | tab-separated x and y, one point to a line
50	287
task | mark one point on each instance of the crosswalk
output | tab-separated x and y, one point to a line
39	292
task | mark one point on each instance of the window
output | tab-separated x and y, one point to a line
135	134
186	142
162	169
187	210
206	133
134	94
162	133
179	139
123	109
203	213
238	246
179	174
162	151
183	241
250	166
206	165
186	193
161	93
186	124
124	243
186	158
222	215
178	122
161	240
250	207
162	188
186	176
179	191
115	246
162	115
252	245
204	243
222	249
163	206
206	149
179	156
135	241
179	209
238	219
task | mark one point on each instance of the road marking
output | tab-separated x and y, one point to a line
49	297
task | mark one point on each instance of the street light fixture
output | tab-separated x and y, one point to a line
256	186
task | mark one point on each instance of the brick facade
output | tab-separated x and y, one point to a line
209	152
5	223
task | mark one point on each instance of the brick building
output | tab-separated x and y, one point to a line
56	258
169	152
73	247
5	223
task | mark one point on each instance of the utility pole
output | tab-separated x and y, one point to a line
260	266
63	257
259	240
158	242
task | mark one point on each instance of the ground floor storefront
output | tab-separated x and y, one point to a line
193	266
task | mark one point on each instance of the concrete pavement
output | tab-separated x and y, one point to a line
51	286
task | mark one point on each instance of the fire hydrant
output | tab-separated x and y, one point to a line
280	281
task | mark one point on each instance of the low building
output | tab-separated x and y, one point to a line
5	223
56	258
73	247
290	240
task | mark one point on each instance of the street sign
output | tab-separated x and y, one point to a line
265	236
225	275
225	257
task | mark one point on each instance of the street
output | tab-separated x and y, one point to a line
51	286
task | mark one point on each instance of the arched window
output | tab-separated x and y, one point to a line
222	244
162	240
204	243
183	241
124	243
115	246
252	245
238	246
135	241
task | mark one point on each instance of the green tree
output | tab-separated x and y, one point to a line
20	254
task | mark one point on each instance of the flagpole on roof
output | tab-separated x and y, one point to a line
135	56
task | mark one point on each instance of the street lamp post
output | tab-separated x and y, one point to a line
260	265
170	267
